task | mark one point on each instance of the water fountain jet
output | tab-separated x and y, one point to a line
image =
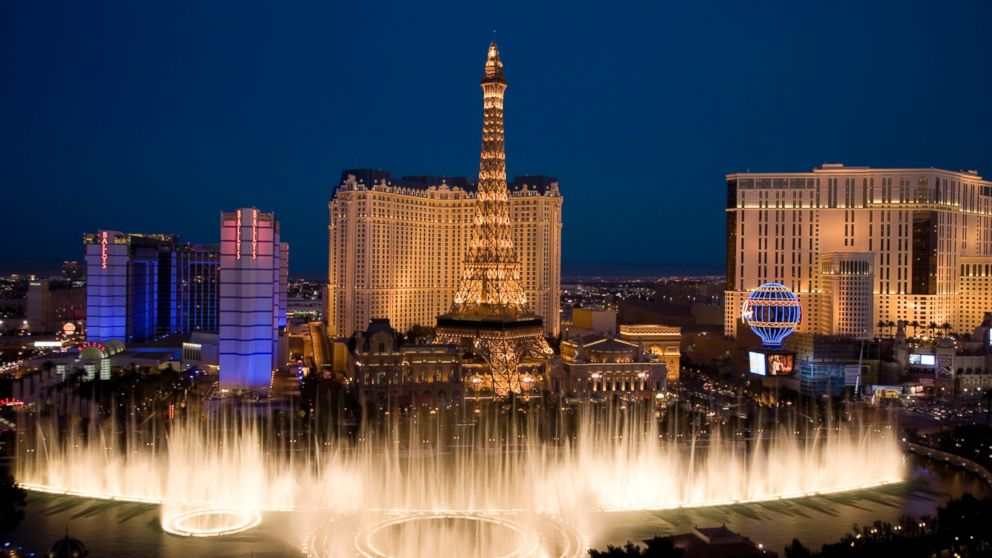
495	468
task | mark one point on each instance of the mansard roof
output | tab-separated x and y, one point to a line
370	177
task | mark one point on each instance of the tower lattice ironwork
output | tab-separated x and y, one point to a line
490	316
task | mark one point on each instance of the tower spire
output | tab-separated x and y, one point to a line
490	312
494	66
491	272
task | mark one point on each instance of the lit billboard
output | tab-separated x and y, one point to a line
780	364
772	363
757	363
916	359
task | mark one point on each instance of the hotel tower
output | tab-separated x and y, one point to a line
397	247
863	246
253	274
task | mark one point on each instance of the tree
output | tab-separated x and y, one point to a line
797	550
12	501
657	547
629	550
662	547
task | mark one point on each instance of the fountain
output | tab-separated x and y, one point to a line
500	483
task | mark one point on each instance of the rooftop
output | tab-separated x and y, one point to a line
840	168
372	177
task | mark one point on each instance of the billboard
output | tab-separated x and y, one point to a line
916	359
944	366
756	363
771	363
780	364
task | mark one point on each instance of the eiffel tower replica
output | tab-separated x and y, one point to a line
490	317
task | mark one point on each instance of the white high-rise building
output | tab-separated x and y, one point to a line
253	271
397	247
921	238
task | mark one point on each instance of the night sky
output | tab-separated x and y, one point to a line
155	116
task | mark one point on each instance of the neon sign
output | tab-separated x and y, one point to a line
237	237
103	249
254	234
88	344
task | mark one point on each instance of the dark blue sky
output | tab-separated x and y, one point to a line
154	116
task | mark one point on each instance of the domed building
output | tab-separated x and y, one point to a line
68	547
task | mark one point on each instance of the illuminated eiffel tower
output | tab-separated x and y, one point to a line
489	316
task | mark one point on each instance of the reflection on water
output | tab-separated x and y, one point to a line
128	529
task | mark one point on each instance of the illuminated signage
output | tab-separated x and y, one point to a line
254	234
756	363
47	344
99	346
237	237
103	249
780	364
777	363
916	359
943	366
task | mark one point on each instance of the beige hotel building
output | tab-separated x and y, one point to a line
861	246
397	246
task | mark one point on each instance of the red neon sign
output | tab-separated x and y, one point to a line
88	344
103	250
254	234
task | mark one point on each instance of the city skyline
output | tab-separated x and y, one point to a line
671	101
722	273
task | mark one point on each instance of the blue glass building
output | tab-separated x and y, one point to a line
144	286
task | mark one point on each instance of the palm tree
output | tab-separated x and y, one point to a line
916	326
932	328
947	329
881	328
